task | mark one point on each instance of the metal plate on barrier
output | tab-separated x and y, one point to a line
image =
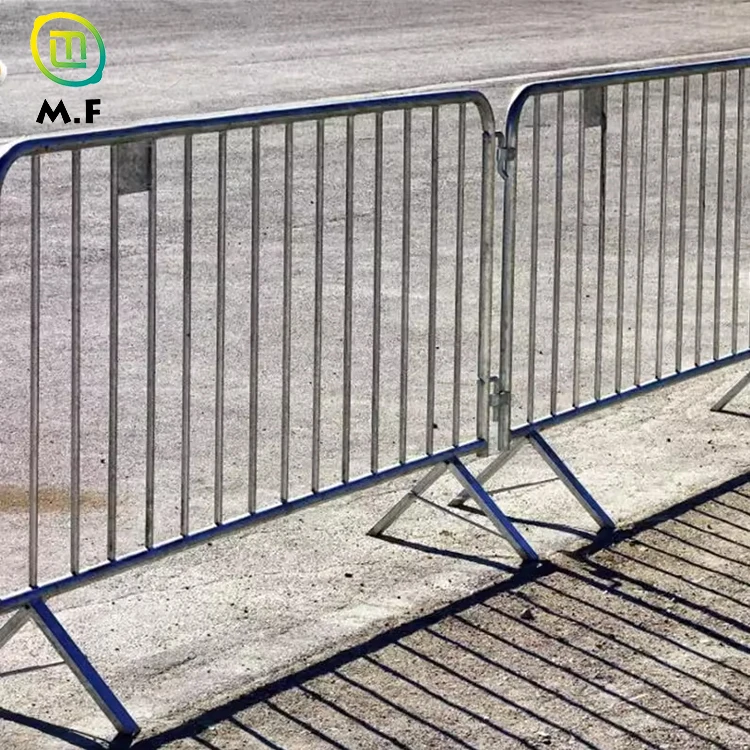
593	107
134	167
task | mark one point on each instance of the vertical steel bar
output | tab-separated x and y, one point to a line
556	280
738	206
377	268
720	213
534	260
598	356
34	373
683	216
151	355
405	268
318	315
348	302
622	236
578	313
432	303
286	348
187	323
75	364
114	335
459	287
510	195
662	228
221	221
701	221
484	349
642	202
252	472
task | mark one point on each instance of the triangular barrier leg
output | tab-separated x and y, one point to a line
570	480
553	460
45	620
732	393
13	625
486	502
473	489
406	501
488	472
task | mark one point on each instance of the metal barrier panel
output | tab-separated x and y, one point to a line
624	262
209	323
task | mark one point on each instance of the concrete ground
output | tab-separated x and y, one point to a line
194	59
201	629
641	645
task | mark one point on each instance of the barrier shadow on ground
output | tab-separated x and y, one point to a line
69	736
647	619
641	637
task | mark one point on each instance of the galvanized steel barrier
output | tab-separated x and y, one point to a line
288	318
208	389
623	211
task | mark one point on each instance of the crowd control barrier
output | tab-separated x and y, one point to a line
623	263
220	321
210	323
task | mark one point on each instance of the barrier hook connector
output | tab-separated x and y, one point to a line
498	398
503	154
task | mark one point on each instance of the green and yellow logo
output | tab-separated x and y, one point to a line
63	46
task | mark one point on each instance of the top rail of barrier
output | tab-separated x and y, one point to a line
612	78
90	137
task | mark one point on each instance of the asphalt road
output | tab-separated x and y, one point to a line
177	637
182	58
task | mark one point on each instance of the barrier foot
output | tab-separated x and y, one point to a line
472	489
69	652
488	472
569	479
485	501
406	501
557	465
732	393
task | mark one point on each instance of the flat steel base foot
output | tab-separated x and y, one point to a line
732	393
569	479
45	620
472	489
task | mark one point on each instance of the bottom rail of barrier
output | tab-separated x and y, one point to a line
636	390
232	526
